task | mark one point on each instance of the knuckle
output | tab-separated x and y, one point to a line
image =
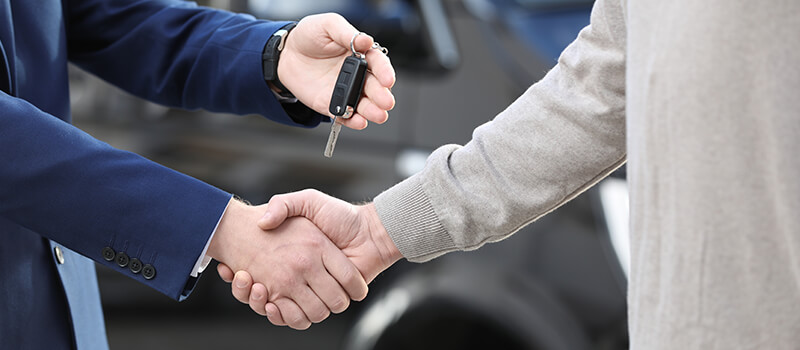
317	242
334	17
293	317
340	304
351	279
303	262
282	282
309	192
275	199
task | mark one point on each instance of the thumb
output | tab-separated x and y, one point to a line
283	206
342	32
277	212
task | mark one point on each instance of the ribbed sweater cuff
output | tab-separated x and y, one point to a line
409	218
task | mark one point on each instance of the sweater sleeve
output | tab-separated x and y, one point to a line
563	135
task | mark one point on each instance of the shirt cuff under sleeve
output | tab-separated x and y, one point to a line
203	260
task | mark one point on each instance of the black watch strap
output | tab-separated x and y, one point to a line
271	55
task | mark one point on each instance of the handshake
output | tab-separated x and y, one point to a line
301	256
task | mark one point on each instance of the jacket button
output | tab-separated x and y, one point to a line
109	254
59	255
148	271
135	265
122	259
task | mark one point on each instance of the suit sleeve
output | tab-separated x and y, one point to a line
563	135
177	54
84	194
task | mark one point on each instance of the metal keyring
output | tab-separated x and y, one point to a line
375	46
353	48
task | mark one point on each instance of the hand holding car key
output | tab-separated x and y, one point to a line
347	91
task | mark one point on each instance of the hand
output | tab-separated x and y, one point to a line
296	266
356	230
312	57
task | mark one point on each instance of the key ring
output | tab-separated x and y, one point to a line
375	46
353	48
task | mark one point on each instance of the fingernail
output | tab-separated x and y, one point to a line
257	296
241	283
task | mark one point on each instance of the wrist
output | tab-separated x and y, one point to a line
220	246
388	250
271	60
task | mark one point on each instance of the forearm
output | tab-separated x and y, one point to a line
175	53
563	135
80	192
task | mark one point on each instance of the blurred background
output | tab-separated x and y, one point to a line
557	284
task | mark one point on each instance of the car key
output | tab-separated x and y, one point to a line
346	93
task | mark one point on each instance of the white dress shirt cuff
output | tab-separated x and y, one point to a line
204	260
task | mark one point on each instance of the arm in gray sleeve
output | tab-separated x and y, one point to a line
562	136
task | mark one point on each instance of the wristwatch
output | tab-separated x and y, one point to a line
271	55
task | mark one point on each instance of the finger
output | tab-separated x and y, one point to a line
372	107
356	122
225	272
258	299
363	42
327	288
283	206
274	314
279	208
292	314
367	111
373	113
331	293
378	94
381	66
313	307
240	288
348	276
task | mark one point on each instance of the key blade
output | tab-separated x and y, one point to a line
334	135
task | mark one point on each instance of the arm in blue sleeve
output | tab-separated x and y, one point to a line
82	193
176	53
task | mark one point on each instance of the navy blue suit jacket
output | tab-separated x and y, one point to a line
59	187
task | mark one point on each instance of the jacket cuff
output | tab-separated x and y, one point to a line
411	221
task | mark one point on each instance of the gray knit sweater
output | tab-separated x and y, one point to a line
709	92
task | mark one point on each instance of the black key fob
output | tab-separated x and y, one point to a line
349	84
